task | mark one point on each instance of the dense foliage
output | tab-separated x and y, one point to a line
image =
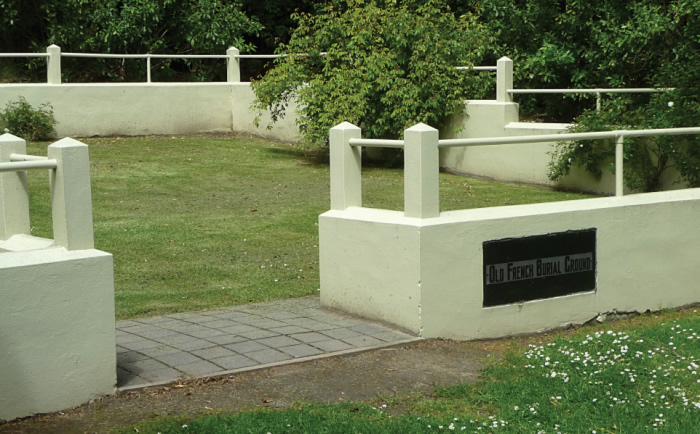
639	44
127	26
381	65
590	43
647	158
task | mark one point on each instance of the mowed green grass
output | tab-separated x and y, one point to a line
205	221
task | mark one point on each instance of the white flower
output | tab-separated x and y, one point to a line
670	103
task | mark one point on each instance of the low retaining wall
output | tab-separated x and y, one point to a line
110	109
492	272
427	275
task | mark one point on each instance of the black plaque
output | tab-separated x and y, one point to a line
537	267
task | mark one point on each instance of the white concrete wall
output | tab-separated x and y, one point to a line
373	262
108	109
527	163
57	338
389	288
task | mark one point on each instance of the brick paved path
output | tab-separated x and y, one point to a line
160	350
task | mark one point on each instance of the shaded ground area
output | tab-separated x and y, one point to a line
375	374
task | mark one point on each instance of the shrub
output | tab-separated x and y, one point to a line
645	158
387	66
22	120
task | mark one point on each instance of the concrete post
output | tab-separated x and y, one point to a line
504	79
421	172
14	193
619	161
346	167
233	65
71	199
53	64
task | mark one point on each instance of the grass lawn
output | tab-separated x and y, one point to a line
632	376
199	222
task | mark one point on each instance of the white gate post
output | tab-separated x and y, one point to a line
14	193
71	199
346	167
233	65
421	172
619	162
504	79
53	64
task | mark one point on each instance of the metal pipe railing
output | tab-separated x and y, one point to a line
612	90
28	165
23	157
618	135
477	68
377	143
24	55
145	56
598	92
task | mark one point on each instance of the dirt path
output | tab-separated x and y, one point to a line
380	373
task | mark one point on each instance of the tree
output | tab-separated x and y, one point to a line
126	26
585	44
383	65
671	55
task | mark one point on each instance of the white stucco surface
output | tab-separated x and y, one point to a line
375	262
110	109
57	330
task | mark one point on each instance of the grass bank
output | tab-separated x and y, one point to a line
200	222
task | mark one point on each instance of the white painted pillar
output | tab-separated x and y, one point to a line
619	161
421	172
233	65
71	199
346	167
53	64
14	192
504	79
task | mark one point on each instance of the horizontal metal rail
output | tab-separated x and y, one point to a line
618	135
274	56
28	165
510	140
146	56
377	143
24	55
448	143
23	157
259	56
612	90
477	68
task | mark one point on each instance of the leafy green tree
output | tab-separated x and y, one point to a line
126	26
383	65
585	44
670	51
